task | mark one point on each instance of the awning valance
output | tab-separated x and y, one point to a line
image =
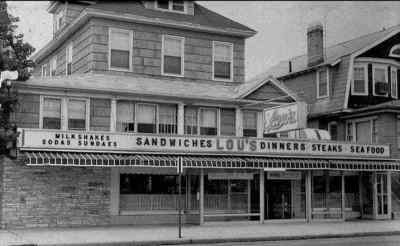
40	158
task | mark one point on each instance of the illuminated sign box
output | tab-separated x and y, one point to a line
77	141
285	118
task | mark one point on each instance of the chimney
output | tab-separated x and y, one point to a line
315	44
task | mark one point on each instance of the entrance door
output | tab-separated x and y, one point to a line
382	204
278	199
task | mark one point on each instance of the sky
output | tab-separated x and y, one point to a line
281	26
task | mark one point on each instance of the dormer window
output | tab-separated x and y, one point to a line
58	21
395	51
172	5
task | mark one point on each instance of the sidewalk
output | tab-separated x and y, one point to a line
208	233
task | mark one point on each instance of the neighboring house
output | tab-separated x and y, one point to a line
351	88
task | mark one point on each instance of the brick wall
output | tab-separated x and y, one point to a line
54	196
100	112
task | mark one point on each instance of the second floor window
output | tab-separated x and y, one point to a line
227	122
380	77
125	116
53	66
360	85
68	60
120	49
172	58
222	61
76	114
146	118
191	120
250	123
208	121
51	113
322	83
167	119
393	76
333	130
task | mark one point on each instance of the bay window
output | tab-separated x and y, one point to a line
393	76
51	118
76	114
191	120
380	78
172	58
250	123
146	118
120	49
125	116
208	121
167	119
360	82
222	61
227	122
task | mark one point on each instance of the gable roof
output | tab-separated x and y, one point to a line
333	53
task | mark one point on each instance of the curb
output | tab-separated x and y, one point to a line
225	240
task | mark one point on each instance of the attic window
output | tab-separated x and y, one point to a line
395	51
171	5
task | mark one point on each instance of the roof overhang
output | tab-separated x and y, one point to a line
88	13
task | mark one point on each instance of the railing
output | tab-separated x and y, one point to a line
334	199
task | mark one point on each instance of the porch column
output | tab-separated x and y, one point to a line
239	122
343	196
260	125
374	195
360	188
201	205
181	119
308	196
389	194
188	192
113	116
262	185
229	195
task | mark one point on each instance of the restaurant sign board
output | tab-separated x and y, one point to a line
286	175
77	141
285	118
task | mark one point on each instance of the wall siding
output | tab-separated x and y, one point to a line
27	111
100	111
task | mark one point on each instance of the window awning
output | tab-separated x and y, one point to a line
40	158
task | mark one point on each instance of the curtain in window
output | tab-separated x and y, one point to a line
120	47
146	118
51	113
249	124
380	75
76	115
359	80
125	116
190	121
167	119
208	122
228	122
172	55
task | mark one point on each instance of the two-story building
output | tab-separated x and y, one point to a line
128	95
352	91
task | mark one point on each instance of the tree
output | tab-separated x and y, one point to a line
14	53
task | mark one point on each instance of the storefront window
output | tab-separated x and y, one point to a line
249	123
51	113
208	121
228	122
146	118
191	121
167	119
76	114
125	116
149	184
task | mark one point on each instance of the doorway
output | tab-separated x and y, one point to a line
382	204
278	199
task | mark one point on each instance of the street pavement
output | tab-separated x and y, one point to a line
354	241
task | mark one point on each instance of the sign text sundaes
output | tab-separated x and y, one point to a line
131	142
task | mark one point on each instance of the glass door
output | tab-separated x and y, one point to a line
382	196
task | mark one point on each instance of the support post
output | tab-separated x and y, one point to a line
262	186
201	205
360	190
229	194
113	115
249	196
389	194
375	195
308	196
181	119
343	202
188	192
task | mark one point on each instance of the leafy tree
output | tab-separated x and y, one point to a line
14	53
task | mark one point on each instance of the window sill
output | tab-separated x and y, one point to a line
119	69
222	80
173	75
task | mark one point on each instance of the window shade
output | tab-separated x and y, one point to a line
146	113
120	40
172	46
125	112
380	74
52	108
359	79
76	109
167	114
249	120
222	52
208	118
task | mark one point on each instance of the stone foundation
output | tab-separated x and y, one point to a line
53	196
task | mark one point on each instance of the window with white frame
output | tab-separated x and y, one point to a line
333	130
360	82
125	116
171	5
191	121
120	49
77	114
45	70
380	75
208	121
146	118
167	122
394	90
322	83
222	61
249	123
172	58
227	122
53	66
362	131
51	113
395	51
68	59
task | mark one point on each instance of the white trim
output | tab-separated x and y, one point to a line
375	66
365	93
68	55
87	108
213	59
130	33
394	70
327	84
377	60
182	40
41	104
397	46
53	65
170	9
354	129
44	70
